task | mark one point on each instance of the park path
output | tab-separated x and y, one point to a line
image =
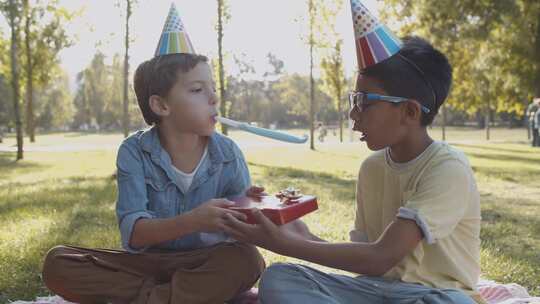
244	143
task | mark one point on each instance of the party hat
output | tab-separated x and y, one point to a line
374	41
174	38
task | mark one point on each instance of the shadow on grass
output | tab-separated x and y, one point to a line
8	164
512	235
310	182
529	224
524	176
58	195
80	212
506	158
496	148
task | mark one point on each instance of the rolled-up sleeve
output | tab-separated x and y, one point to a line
132	202
440	201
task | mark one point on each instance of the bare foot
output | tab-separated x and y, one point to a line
247	297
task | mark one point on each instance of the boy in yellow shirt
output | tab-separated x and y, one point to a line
416	234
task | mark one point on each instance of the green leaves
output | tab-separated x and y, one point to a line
491	45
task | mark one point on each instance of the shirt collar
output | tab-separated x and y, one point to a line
218	151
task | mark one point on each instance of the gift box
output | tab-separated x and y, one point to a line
279	210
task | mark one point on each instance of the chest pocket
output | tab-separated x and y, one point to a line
161	197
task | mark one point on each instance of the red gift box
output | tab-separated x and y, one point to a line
279	211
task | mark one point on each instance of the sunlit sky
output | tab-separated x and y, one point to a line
256	28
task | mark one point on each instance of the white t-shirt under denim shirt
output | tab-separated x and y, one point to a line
184	180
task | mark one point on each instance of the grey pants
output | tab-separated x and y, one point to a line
297	284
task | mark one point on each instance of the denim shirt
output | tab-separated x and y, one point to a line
147	185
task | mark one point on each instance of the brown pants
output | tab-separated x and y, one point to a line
209	275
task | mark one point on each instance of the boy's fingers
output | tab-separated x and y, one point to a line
233	232
236	229
259	193
262	219
222	203
236	214
234	223
256	189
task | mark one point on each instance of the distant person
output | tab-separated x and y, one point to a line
322	131
529	116
536	125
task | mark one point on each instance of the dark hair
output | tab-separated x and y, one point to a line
157	76
418	71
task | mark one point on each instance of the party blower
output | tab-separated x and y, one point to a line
262	131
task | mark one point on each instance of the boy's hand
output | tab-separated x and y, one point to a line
255	191
264	234
299	228
211	216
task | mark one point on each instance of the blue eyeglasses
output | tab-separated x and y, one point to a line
360	100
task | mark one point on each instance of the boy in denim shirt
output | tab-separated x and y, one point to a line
174	181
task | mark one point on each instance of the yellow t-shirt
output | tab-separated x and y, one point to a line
438	191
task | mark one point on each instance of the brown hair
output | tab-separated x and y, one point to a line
157	76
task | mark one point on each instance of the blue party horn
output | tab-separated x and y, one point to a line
277	135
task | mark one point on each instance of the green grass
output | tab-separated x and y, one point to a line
54	198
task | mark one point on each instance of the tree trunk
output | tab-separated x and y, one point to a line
487	124
312	81
340	111
538	55
480	121
30	125
125	120
15	78
247	100
222	93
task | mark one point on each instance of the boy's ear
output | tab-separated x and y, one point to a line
413	110
158	105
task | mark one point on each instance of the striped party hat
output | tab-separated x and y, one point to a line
174	38
374	41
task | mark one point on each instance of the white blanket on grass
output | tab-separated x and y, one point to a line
492	292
